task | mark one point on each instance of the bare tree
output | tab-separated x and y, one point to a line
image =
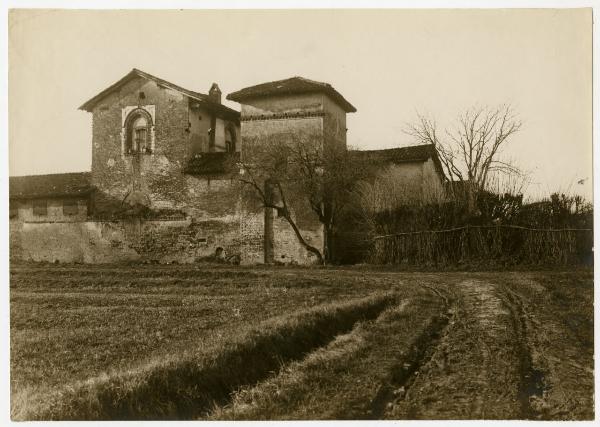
297	166
470	153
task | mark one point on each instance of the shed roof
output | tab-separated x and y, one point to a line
204	99
53	185
293	85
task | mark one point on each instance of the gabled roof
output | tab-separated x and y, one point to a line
293	85
413	153
53	185
204	99
213	163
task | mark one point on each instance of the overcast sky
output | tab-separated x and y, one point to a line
389	64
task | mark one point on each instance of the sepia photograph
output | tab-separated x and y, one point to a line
299	214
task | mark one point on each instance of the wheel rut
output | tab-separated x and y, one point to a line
479	367
354	377
532	380
468	359
402	375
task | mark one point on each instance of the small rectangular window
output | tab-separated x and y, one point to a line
13	209
70	207
40	207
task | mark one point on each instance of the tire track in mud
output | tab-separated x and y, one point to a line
476	370
469	361
558	376
532	380
404	373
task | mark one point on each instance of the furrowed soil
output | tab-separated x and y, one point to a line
213	342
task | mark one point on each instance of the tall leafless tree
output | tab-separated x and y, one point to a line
301	168
470	152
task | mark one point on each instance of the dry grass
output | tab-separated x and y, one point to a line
184	342
351	378
77	333
71	323
486	246
187	385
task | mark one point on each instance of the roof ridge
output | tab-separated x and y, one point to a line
153	77
312	81
396	148
160	81
291	85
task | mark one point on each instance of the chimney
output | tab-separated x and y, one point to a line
214	94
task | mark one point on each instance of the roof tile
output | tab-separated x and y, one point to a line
290	86
398	155
413	153
53	185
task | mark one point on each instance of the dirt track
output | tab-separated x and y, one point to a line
492	362
506	351
474	371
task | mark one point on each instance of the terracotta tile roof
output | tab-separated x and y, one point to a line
53	185
204	99
398	155
214	163
414	153
290	86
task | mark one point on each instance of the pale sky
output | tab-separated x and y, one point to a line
387	63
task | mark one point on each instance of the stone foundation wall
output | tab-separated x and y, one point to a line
287	249
251	233
160	241
85	241
163	241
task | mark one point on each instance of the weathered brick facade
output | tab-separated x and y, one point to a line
157	179
182	128
280	118
293	111
163	190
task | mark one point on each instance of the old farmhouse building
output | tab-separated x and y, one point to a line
164	185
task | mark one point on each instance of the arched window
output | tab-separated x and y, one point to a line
138	127
230	139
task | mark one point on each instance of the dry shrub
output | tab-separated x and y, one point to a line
486	245
502	230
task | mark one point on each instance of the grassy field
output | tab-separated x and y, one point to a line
190	342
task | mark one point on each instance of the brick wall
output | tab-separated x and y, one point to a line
156	179
15	248
159	173
251	236
84	241
55	210
217	212
186	242
160	241
334	123
280	119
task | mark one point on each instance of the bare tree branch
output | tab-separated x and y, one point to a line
470	152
